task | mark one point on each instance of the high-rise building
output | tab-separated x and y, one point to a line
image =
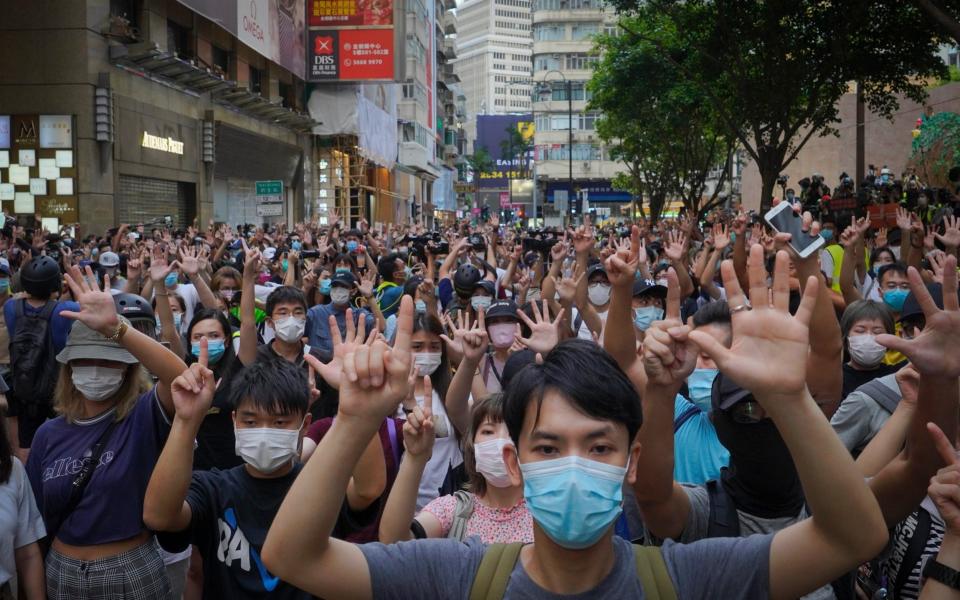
493	58
563	60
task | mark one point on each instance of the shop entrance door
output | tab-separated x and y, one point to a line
143	199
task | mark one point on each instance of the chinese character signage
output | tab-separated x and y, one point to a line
351	54
332	13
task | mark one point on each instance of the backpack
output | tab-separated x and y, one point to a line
462	512
882	394
499	560
33	360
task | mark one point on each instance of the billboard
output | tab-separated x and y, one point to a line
273	28
334	13
351	54
493	135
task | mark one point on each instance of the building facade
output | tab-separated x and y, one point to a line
563	61
128	111
494	59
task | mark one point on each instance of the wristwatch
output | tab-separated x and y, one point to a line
942	573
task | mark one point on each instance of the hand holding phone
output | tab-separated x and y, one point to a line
783	219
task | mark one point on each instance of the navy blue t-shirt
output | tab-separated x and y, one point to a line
111	508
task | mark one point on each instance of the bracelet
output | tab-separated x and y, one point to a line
942	573
118	334
163	295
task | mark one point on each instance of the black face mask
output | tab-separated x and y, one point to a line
761	479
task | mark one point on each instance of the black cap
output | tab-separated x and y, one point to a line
649	287
911	306
726	393
502	308
486	285
596	268
517	361
465	278
344	278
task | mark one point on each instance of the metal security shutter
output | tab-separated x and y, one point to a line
142	199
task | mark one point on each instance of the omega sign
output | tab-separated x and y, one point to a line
250	24
163	144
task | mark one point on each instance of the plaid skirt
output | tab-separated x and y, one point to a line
137	574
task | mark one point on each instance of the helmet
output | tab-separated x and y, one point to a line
464	280
41	277
134	307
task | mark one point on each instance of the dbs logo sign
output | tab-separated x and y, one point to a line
323	45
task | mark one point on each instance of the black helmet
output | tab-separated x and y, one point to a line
133	307
41	277
465	279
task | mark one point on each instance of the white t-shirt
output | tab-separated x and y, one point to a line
446	455
20	521
584	332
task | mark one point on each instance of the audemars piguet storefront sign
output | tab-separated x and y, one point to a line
163	144
56	131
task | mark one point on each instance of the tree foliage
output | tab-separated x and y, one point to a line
774	71
478	163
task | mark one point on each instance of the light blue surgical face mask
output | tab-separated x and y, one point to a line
177	319
352	246
895	298
344	270
700	387
827	234
421	306
645	315
573	499
325	287
296	245
215	350
170	280
4	285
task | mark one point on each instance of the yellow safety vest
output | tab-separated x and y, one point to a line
836	253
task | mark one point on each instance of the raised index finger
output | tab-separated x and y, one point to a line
204	357
404	324
673	295
944	448
950	300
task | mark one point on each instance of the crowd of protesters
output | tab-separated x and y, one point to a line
684	408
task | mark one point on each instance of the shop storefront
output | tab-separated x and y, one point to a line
38	169
158	168
243	159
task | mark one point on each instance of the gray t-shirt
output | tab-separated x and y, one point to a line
20	521
860	417
698	523
434	568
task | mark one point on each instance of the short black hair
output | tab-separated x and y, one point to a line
285	294
712	313
275	386
387	266
584	374
897	267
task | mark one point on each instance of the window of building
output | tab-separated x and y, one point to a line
561	152
221	58
178	40
565	4
499	55
287	93
127	9
581	61
546	32
547	62
582	31
500	90
256	80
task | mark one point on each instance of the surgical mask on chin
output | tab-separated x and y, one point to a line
645	315
895	299
97	383
598	293
478	302
700	387
215	350
865	351
289	329
502	335
427	362
339	295
488	457
266	449
574	500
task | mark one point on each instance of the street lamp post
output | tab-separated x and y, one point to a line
545	91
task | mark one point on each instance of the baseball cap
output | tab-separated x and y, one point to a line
595	268
502	309
911	306
726	393
486	285
109	259
344	278
517	361
649	287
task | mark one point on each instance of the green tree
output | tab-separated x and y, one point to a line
515	149
659	125
774	71
478	163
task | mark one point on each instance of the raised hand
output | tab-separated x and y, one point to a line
418	433
584	238
366	284
937	259
251	259
721	237
567	287
669	356
469	339
904	219
193	390
849	238
929	351
944	488
881	239
97	310
544	333
951	232
619	272
189	263
159	269
766	335
677	242
356	336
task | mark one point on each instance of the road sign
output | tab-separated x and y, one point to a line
269	198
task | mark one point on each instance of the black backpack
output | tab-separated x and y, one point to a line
33	361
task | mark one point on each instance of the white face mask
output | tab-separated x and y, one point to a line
865	351
478	302
266	449
427	362
97	383
598	293
502	335
290	329
339	295
489	462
